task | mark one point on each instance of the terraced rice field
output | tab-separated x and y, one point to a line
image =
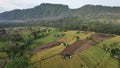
108	62
85	53
93	56
85	56
59	62
69	50
47	53
110	42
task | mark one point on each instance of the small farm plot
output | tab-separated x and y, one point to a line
85	46
70	36
84	35
80	34
47	46
110	43
70	49
49	38
92	56
109	62
59	62
45	54
98	37
113	63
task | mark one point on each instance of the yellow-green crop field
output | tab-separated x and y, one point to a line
47	53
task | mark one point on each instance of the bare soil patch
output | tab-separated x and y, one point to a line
85	46
70	50
100	37
49	45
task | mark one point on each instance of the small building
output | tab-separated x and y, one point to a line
66	56
106	49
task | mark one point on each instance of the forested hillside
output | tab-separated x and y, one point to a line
97	18
46	10
38	12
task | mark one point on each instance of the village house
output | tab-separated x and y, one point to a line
66	56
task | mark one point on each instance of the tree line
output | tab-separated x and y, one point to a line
71	23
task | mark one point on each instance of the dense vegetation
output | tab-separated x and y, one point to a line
71	23
54	11
41	11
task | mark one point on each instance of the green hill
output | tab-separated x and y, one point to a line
41	11
47	10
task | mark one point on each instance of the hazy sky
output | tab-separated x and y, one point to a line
7	5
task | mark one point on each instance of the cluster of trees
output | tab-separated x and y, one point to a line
17	48
115	52
39	34
73	23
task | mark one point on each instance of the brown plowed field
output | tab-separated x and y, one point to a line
99	37
85	46
50	45
69	50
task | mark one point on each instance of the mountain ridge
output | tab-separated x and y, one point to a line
46	10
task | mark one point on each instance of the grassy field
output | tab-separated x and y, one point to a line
59	62
92	56
47	53
81	34
70	36
42	41
110	43
109	62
